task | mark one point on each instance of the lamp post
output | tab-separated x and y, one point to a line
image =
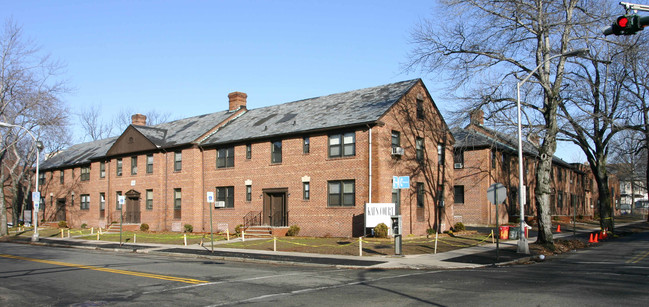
523	247
39	147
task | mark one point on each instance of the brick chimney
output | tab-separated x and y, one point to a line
138	120
237	100
477	117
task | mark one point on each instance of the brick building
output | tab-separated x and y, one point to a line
312	163
483	156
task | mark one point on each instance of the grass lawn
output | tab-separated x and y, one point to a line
340	246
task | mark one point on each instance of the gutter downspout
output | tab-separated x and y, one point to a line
370	167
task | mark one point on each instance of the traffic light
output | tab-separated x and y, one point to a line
627	25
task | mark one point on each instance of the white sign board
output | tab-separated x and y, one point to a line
36	197
377	213
121	199
210	197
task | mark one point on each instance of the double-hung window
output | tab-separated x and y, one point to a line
178	161
85	201
149	199
85	173
133	165
342	145
276	152
178	201
342	193
149	164
225	157
119	167
225	194
419	149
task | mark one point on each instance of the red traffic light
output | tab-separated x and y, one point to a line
622	22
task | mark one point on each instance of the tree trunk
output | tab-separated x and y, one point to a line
3	207
542	193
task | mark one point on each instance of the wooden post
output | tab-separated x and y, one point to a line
360	246
68	233
97	236
92	230
274	244
243	236
185	238
134	238
227	234
61	233
436	234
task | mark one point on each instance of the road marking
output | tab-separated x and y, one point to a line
636	259
123	272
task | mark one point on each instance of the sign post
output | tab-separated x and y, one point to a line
496	194
210	200
121	200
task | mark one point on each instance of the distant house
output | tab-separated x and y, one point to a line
484	156
312	163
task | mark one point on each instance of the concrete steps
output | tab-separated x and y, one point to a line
259	232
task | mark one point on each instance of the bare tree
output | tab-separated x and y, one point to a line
93	125
495	44
30	98
595	110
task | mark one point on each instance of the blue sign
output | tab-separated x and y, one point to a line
400	182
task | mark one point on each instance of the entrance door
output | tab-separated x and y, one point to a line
275	213
60	209
132	214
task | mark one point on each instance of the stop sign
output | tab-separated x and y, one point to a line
496	193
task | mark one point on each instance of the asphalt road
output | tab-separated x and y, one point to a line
612	274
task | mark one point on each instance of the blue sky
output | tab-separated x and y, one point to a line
184	57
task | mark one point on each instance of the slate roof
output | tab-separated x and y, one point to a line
79	154
346	109
470	138
353	108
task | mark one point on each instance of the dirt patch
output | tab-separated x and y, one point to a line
560	246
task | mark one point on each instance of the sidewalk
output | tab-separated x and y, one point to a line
472	257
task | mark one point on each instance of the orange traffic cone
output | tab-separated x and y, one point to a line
559	228
590	239
596	241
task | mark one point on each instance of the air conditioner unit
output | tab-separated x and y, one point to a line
397	151
459	165
219	204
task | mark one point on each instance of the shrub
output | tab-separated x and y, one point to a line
144	227
381	231
84	226
237	229
189	228
293	231
459	226
430	231
63	224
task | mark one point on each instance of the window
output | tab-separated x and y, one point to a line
560	199
306	142
149	164
419	148
396	139
149	199
493	158
133	165
458	194
102	169
276	152
225	194
440	154
102	204
225	157
178	200
248	193
62	177
342	193
342	145
420	194
248	151
85	201
41	178
119	167
559	174
458	158
306	190
178	161
420	109
85	173
117	205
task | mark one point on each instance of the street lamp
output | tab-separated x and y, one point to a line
39	147
523	247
